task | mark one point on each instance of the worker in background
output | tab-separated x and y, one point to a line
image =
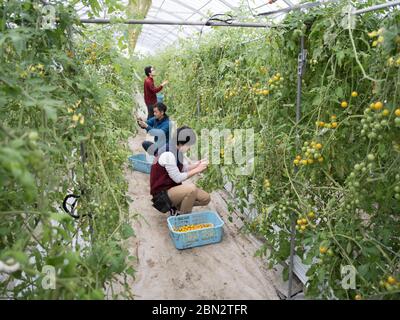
157	126
168	172
150	91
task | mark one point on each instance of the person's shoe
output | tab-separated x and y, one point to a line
174	212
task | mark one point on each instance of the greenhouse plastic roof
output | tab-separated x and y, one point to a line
156	37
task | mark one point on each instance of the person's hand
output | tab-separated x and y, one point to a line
142	124
204	161
201	167
164	83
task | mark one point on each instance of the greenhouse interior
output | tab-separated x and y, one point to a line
199	150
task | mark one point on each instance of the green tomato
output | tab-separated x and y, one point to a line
33	136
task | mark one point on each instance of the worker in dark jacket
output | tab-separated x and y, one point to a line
157	126
170	169
150	90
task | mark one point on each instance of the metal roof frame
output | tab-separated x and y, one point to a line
194	10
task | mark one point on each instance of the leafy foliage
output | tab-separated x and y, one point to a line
340	179
65	117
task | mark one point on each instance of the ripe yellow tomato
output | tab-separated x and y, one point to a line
344	104
318	146
397	112
358	297
334	125
378	105
354	94
323	250
391	280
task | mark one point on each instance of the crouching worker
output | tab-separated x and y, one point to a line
157	126
168	172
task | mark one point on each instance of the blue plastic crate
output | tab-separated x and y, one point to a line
140	163
160	97
195	238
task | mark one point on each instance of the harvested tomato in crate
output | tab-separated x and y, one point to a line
195	229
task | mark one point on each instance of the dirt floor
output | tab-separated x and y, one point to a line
227	270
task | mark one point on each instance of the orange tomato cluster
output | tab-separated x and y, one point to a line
302	222
332	125
192	227
390	283
312	154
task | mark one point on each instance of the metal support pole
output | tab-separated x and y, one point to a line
302	58
298	7
182	23
377	7
198	105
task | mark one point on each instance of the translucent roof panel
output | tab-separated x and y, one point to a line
154	38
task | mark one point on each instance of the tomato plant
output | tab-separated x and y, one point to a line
64	126
341	179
